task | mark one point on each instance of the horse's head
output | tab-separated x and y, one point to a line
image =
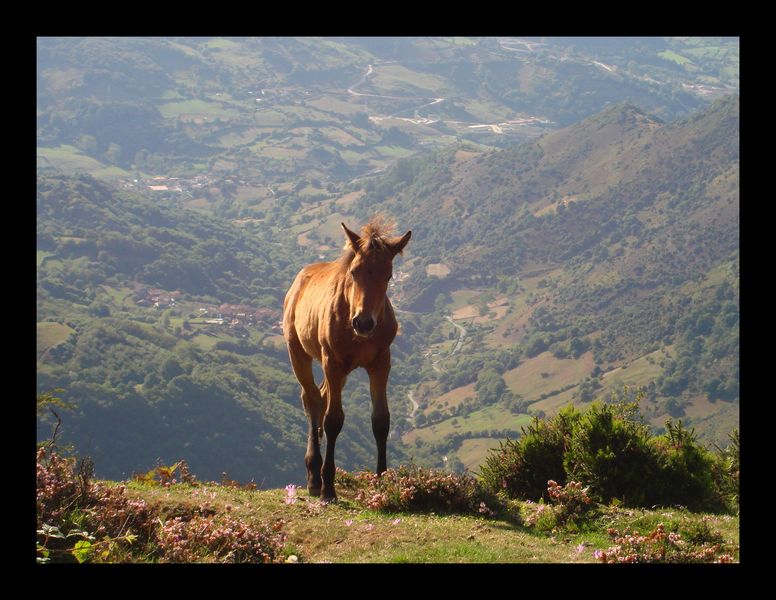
370	269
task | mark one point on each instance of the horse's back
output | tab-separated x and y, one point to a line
305	299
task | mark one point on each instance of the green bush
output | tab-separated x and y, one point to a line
609	451
522	468
685	471
726	469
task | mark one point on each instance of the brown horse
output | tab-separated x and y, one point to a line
338	314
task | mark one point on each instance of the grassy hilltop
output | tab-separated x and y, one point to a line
523	507
346	532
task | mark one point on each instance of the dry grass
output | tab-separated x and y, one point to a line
544	374
51	334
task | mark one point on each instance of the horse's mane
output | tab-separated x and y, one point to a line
374	236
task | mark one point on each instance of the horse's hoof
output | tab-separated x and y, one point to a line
329	500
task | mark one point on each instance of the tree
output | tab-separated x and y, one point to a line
171	368
113	153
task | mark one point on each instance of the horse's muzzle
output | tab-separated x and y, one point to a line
364	325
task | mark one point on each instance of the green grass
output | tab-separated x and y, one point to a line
171	110
69	160
344	532
393	151
638	373
478	421
42	254
51	334
674	57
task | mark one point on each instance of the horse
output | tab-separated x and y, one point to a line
338	314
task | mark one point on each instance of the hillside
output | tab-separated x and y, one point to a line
168	516
162	327
606	252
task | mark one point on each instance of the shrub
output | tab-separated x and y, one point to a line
685	471
69	505
660	546
225	540
570	508
417	489
572	501
726	469
521	468
609	451
87	521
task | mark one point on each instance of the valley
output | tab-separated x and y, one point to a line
575	230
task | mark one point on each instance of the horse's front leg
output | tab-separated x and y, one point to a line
333	419
381	418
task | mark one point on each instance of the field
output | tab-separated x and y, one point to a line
478	421
473	451
545	374
639	372
201	108
451	399
69	160
51	334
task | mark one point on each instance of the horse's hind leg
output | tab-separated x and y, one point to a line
302	364
332	423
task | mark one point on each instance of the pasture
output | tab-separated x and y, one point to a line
399	80
473	451
197	108
69	160
51	334
544	374
478	421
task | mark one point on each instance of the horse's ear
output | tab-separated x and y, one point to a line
352	237
397	245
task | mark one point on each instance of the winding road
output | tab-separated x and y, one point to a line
462	331
428	101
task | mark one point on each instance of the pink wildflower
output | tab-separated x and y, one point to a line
291	493
349	522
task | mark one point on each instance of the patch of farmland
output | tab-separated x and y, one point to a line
544	374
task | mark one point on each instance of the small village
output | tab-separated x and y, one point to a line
237	317
161	183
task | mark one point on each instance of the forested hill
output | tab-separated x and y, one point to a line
126	291
110	236
630	224
565	195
